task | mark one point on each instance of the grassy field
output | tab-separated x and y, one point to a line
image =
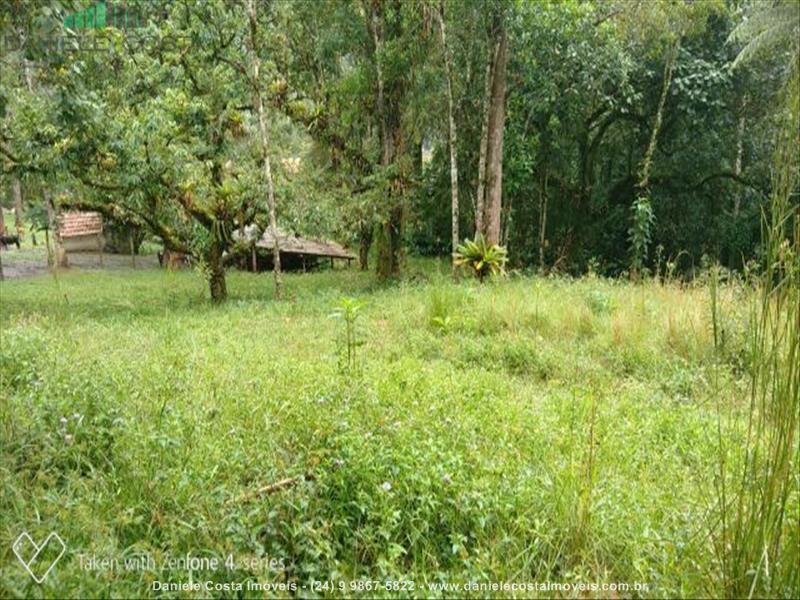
530	430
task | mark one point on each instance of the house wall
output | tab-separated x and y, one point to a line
84	243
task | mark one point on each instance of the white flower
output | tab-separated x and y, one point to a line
63	420
447	479
386	486
68	438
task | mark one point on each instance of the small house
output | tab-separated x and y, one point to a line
81	231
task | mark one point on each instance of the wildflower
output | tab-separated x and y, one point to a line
76	416
68	438
338	463
64	421
447	479
386	486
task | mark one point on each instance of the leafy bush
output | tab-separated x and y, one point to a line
482	258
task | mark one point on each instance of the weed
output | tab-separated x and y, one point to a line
348	310
503	441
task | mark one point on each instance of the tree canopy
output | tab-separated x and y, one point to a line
612	136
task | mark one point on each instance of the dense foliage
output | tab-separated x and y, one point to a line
632	135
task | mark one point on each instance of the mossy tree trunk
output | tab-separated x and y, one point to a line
383	24
258	100
216	273
494	154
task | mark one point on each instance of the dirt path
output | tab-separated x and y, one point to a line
30	262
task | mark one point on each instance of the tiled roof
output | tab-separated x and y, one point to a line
74	224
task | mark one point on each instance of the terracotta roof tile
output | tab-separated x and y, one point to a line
74	224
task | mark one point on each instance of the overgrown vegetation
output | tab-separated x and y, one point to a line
552	429
406	433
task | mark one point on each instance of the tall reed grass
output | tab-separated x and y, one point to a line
757	526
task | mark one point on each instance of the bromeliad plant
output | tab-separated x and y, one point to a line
482	258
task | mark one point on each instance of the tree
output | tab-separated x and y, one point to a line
453	138
493	201
165	138
375	51
258	100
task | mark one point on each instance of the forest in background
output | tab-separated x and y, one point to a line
611	136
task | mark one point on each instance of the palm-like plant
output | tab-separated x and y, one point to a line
481	258
767	26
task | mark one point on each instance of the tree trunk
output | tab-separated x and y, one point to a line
480	195
494	155
454	209
364	245
216	273
264	138
389	248
542	219
388	105
18	208
642	200
737	165
2	232
647	163
59	258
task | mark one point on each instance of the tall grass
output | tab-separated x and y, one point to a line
526	429
758	531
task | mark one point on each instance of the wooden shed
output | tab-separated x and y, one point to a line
297	252
81	231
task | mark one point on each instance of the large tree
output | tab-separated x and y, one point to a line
160	129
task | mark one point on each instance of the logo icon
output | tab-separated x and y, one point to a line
39	559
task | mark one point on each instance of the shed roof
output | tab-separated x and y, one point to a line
76	224
295	244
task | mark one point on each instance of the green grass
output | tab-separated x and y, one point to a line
530	430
